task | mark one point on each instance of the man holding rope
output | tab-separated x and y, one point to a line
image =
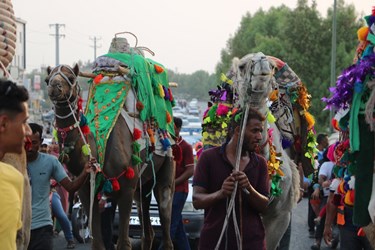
215	181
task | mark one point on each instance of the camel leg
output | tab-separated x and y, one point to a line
125	202
143	207
164	195
84	195
275	228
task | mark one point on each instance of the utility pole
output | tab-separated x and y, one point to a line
95	39
333	56
57	36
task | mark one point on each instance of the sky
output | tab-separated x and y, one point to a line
185	36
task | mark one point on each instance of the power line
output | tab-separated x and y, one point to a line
95	39
57	36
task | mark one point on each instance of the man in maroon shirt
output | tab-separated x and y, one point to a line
184	170
214	181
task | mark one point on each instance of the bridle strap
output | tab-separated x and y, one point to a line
72	84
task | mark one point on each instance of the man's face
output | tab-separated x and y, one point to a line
15	130
253	135
32	152
325	142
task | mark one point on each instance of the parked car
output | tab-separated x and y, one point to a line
192	219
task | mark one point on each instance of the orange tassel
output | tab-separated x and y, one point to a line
150	133
98	78
136	134
169	117
274	95
310	120
158	69
363	33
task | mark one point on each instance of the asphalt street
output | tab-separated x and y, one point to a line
299	239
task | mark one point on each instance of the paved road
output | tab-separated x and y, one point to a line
299	238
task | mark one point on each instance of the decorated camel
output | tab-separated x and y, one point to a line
127	124
353	101
269	85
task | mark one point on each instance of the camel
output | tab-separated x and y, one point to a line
155	171
250	81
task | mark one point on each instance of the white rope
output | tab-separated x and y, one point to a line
92	176
231	207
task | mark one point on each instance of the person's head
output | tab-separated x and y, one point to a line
177	125
253	131
13	117
322	140
43	148
36	141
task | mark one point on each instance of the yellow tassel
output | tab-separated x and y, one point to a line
161	91
270	117
310	120
274	95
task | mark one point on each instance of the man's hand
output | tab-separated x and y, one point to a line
92	165
228	186
243	181
327	234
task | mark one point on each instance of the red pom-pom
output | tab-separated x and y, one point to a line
137	134
177	153
79	103
170	95
115	185
139	106
98	78
129	173
85	129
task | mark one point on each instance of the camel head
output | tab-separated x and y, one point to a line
62	84
253	76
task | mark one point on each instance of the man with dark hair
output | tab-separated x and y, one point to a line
214	181
13	130
184	170
41	168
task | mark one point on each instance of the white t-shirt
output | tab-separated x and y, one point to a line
326	170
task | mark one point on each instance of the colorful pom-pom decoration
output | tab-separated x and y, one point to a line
98	78
168	117
139	105
85	129
115	184
362	33
129	174
137	133
86	150
158	69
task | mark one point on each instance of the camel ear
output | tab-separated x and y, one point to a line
49	70
76	69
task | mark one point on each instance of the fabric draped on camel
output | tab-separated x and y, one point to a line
143	99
